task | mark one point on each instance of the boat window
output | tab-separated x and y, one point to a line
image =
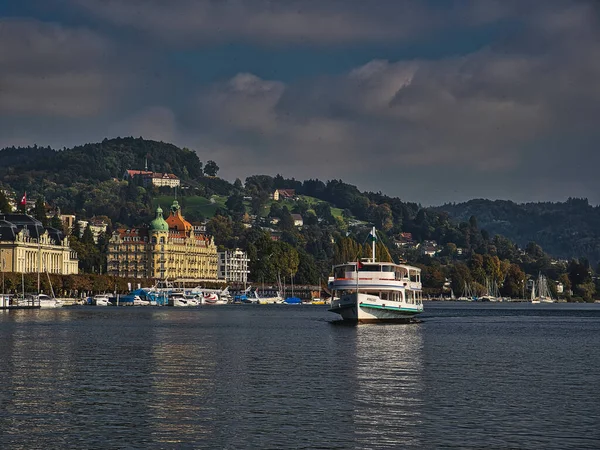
370	268
385	296
387	268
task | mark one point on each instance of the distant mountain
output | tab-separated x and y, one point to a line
564	230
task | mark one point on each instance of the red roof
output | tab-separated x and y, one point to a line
132	173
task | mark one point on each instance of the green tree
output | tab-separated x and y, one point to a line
39	211
4	204
211	169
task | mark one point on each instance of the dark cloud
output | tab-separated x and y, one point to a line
514	119
312	22
47	69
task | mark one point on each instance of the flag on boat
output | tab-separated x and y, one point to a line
373	236
24	199
359	265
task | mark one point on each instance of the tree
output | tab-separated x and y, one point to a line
211	168
4	204
39	211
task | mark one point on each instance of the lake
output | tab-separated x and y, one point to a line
278	376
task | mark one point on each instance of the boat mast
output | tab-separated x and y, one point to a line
373	240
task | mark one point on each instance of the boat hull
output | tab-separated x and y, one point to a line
363	308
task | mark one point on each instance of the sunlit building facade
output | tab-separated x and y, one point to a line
26	246
169	249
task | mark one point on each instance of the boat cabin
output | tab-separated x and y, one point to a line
378	271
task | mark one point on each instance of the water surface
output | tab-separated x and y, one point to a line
276	376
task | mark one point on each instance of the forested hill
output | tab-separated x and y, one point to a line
99	162
564	230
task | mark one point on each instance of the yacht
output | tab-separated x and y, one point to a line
370	291
178	299
102	300
46	301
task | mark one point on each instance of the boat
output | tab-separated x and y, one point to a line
543	291
45	301
268	300
102	300
293	301
178	299
372	291
137	301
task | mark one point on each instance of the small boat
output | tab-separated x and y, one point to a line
293	301
137	301
46	301
371	291
268	300
178	299
102	300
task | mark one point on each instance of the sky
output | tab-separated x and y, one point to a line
432	101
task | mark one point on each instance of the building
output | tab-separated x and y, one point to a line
167	249
27	247
233	266
297	218
284	193
161	179
130	174
97	227
157	179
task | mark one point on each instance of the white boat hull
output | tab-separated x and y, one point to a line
270	300
364	308
51	303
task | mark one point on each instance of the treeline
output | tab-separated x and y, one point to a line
569	229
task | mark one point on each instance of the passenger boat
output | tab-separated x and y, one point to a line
370	291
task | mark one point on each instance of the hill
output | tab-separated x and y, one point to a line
565	230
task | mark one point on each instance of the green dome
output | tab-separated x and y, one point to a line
159	224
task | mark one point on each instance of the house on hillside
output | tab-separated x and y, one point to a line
298	222
157	179
430	248
283	194
404	240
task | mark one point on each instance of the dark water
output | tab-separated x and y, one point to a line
469	375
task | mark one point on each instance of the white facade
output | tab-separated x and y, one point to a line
233	266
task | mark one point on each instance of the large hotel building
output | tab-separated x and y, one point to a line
27	246
169	249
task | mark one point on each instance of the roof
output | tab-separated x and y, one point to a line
12	224
296	216
132	173
287	192
176	220
155	175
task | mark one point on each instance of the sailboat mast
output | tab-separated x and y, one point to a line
373	239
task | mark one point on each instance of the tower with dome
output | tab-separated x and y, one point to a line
167	249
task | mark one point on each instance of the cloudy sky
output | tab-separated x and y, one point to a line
432	100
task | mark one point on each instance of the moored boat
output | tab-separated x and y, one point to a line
45	301
102	300
371	291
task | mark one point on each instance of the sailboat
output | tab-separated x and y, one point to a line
544	294
45	301
534	299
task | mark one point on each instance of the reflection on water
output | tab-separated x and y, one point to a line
285	377
389	390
